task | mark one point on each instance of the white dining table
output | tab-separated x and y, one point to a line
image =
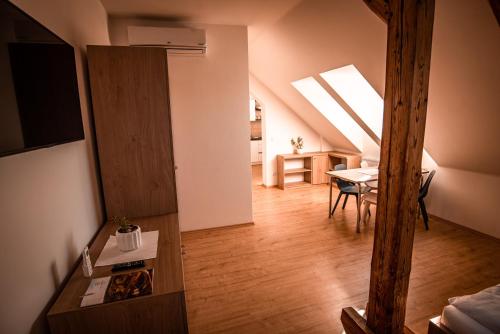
357	176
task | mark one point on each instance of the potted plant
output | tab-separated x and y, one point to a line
297	145
128	236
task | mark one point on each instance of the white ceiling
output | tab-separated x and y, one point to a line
256	14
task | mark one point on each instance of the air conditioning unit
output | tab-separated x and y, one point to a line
175	40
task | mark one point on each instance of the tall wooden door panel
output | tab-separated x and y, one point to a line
325	167
132	121
320	165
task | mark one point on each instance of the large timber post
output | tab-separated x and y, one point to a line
409	41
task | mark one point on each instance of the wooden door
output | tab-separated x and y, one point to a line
320	165
325	167
132	122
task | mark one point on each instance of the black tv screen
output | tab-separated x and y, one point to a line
39	101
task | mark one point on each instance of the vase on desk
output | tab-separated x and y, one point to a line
297	150
129	239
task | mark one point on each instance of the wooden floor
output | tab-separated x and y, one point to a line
294	270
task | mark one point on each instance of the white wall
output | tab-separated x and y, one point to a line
280	124
466	198
49	199
211	129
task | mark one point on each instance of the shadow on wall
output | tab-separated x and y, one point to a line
90	135
41	325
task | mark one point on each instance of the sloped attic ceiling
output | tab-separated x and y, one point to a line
313	37
293	39
464	104
464	111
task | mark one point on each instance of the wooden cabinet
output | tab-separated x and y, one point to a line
164	311
134	138
314	166
348	159
132	122
320	165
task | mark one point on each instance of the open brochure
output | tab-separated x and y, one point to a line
118	287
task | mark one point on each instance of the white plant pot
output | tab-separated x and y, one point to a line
128	241
298	151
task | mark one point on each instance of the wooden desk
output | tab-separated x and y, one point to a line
162	312
316	164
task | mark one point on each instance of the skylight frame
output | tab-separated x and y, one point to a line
322	101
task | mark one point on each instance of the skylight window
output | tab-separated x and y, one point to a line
332	111
357	92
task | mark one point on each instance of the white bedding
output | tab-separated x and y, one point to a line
484	307
476	313
459	323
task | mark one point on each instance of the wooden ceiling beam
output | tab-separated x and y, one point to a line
347	108
495	7
380	8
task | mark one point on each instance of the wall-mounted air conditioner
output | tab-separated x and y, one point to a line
175	40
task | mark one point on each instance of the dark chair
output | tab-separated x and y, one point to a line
423	192
346	188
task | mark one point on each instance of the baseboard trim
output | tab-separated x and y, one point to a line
462	227
269	186
225	227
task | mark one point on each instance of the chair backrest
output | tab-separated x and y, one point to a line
340	167
341	183
425	188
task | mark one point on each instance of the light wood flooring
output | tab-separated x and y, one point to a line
294	269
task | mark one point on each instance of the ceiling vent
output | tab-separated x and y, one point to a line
175	40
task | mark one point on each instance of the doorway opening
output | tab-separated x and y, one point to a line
256	141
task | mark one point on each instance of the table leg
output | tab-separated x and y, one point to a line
330	201
358	204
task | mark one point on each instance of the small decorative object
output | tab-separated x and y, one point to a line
128	236
297	145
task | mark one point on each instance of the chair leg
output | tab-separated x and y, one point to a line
366	209
337	202
423	209
345	201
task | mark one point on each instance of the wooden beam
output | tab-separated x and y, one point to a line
347	108
380	8
495	7
353	322
409	44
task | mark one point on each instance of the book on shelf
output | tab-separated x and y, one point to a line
118	287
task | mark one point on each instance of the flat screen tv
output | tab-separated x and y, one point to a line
39	101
